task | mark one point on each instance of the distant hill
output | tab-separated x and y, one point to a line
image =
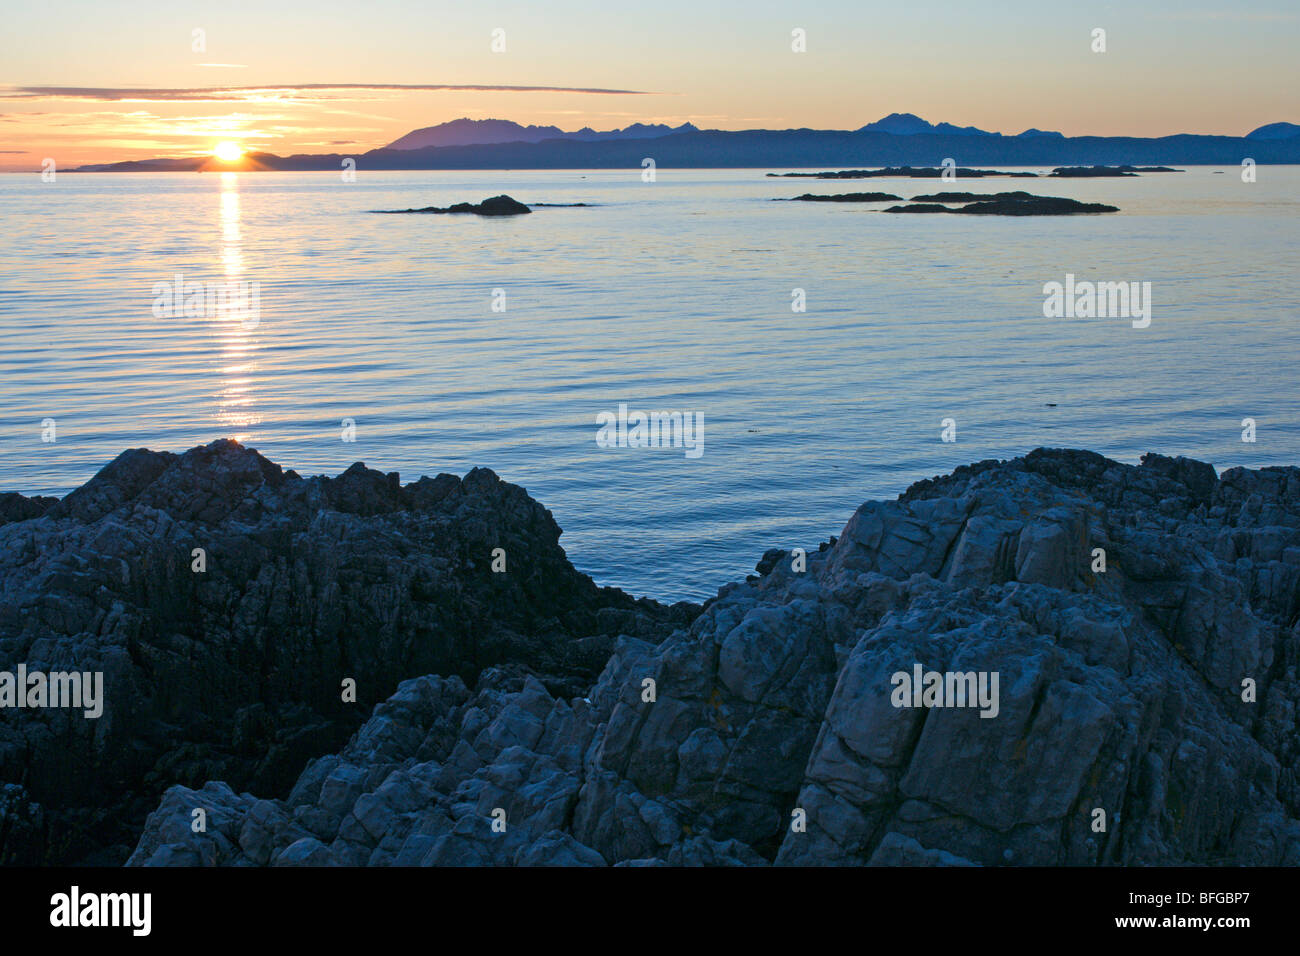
1275	131
900	139
469	132
909	124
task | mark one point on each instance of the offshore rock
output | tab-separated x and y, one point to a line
495	206
235	671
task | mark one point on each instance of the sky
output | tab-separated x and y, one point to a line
335	76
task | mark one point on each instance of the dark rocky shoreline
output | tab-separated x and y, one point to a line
771	736
235	673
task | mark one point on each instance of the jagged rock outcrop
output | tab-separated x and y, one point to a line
1145	713
235	671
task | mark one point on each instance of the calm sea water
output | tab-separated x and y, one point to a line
673	295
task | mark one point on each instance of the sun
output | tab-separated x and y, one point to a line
228	152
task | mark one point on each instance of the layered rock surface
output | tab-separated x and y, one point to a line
236	672
1160	693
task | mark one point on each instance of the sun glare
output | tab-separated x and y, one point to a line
228	152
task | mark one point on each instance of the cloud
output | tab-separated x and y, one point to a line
253	93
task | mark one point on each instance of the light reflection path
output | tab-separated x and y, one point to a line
236	328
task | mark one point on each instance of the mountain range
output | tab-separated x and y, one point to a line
469	132
909	124
897	139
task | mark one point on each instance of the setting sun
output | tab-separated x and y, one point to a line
228	152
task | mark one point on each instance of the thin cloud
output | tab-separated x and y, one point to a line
249	93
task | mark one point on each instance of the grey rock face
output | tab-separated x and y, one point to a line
235	672
1144	714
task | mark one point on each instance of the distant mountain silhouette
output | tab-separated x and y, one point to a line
469	132
900	139
909	124
1275	131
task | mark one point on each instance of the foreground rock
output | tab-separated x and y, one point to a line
495	206
1004	204
236	671
1146	711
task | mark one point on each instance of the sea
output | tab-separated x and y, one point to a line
828	352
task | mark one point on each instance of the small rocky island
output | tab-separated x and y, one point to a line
845	197
1088	172
964	197
912	172
495	206
1141	621
1001	204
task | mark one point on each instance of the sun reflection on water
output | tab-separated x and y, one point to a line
237	331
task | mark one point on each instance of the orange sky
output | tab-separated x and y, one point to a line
334	76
